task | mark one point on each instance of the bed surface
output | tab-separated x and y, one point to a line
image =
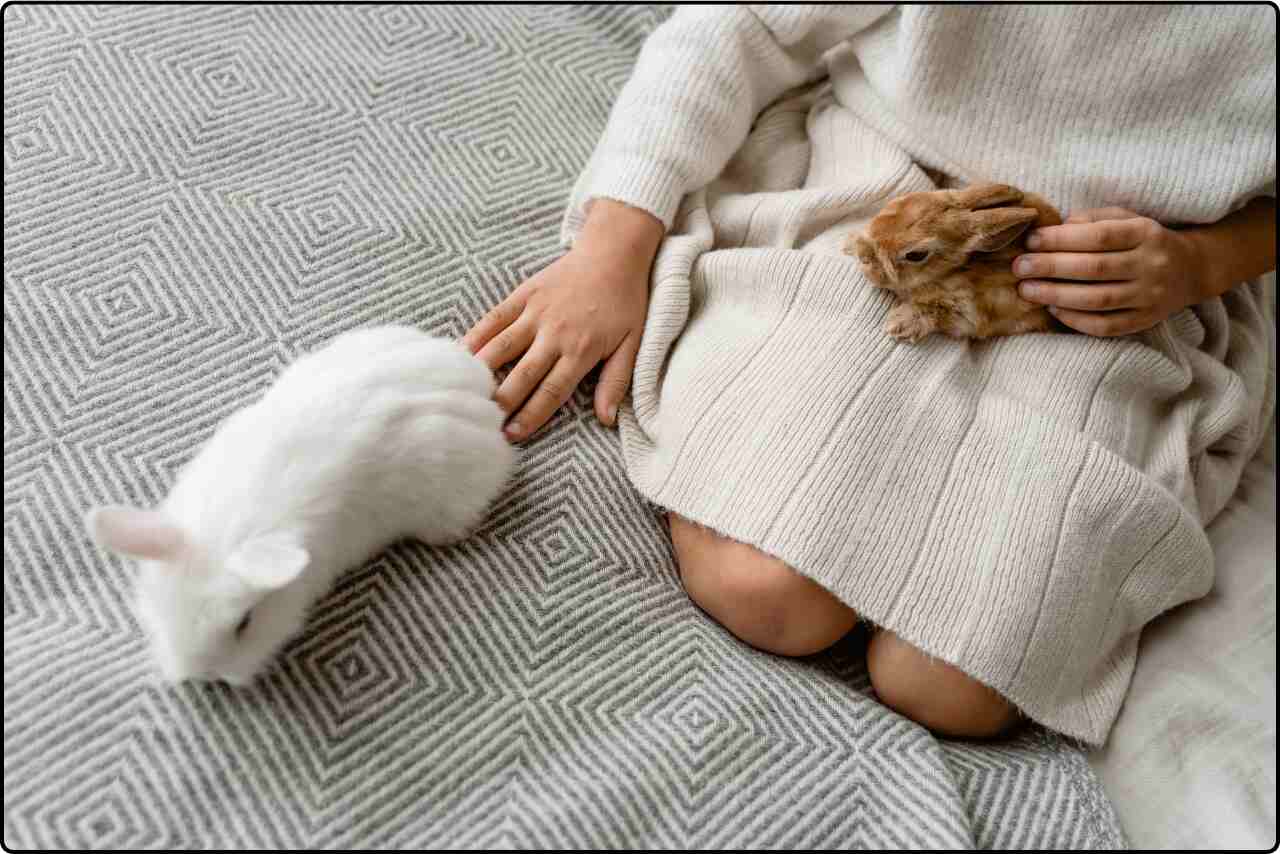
194	196
1192	760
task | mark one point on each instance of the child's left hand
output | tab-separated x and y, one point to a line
1125	273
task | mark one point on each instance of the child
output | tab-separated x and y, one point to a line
1155	126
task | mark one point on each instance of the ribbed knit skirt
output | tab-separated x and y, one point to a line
1019	507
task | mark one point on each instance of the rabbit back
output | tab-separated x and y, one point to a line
383	433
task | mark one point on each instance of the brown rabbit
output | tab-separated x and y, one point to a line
948	256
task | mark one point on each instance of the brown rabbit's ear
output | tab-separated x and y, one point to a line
994	229
982	196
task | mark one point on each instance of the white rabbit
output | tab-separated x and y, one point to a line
384	433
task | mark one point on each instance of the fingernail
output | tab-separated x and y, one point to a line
1053	309
1022	266
513	430
1034	241
613	413
1026	290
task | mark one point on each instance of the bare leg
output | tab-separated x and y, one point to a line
772	607
933	693
757	597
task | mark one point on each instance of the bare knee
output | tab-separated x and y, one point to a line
933	693
758	598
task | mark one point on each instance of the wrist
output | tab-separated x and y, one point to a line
1208	277
1237	248
617	231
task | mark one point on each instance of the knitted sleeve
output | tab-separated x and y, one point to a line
700	81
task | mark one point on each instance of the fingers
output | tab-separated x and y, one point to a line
1102	297
1108	236
509	344
497	319
1106	324
525	376
555	388
615	379
1077	266
1099	214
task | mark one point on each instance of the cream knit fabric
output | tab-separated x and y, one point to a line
1020	507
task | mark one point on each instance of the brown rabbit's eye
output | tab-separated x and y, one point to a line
915	257
244	623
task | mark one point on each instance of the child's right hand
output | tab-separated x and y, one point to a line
587	307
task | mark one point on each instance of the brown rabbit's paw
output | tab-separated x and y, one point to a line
907	324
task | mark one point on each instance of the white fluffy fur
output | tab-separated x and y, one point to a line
382	434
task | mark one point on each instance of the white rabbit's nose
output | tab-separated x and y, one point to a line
208	677
171	670
176	669
177	673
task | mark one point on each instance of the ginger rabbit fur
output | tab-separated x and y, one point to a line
947	255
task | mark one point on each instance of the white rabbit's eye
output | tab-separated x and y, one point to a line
244	623
915	257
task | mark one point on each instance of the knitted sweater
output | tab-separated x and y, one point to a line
1019	507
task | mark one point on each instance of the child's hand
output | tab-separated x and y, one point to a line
587	307
1125	273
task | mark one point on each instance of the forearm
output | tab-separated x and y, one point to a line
699	83
1237	248
696	87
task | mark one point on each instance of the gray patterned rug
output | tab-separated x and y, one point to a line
194	195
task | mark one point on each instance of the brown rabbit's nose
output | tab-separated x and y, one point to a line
864	250
872	270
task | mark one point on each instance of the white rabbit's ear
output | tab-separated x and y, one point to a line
147	534
269	562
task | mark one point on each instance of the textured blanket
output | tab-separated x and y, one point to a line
195	195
